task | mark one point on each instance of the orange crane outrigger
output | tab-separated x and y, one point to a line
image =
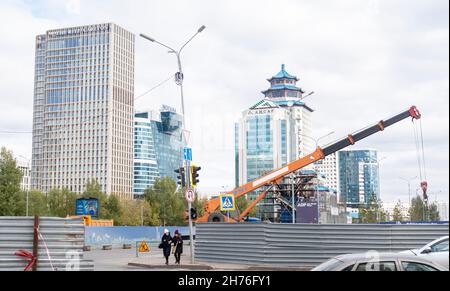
276	176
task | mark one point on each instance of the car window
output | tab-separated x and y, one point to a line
440	247
377	266
349	268
330	265
417	267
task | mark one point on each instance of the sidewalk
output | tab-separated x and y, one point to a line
157	263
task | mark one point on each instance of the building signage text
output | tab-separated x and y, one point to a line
260	112
79	30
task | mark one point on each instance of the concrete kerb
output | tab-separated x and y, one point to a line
172	267
216	266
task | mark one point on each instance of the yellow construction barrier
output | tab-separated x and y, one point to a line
89	222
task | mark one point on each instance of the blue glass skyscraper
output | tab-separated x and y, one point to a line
273	132
158	147
358	177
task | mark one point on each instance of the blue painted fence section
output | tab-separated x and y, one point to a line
98	236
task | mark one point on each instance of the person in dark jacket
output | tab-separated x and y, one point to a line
178	247
166	242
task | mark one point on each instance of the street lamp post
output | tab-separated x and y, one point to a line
409	187
179	79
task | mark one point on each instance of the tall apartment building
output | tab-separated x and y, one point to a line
358	177
158	149
328	167
273	132
84	109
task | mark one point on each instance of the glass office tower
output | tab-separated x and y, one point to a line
145	163
358	177
159	148
273	132
83	109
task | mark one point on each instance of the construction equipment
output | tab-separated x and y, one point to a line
212	213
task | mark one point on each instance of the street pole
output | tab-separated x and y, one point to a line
180	81
293	198
409	193
27	202
187	163
142	215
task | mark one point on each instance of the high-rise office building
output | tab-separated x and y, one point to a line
145	163
84	109
158	147
273	132
358	177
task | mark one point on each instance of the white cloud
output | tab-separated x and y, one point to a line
366	60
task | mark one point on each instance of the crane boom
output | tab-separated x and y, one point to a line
277	175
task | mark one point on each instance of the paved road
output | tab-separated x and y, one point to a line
117	259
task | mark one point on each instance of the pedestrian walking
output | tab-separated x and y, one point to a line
166	243
177	247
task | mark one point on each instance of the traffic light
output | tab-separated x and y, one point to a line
181	177
194	214
195	175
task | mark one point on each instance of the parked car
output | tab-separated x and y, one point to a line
379	262
436	251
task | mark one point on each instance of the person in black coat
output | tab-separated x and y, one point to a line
178	247
166	242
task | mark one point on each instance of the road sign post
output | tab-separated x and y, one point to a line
227	202
191	224
188	154
190	195
142	248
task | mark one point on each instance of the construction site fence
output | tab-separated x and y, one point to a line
305	245
60	246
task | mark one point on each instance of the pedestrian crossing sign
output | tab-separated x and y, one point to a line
144	248
227	202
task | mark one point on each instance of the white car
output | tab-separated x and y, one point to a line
373	261
436	251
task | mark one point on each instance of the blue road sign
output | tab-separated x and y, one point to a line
188	154
227	202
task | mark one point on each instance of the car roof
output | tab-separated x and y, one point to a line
381	256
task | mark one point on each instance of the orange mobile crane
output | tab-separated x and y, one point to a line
212	213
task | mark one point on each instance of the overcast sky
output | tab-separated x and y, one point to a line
365	59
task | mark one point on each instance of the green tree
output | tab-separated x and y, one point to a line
200	204
167	202
112	210
61	203
397	214
373	212
93	190
242	203
10	178
416	210
433	213
136	212
37	204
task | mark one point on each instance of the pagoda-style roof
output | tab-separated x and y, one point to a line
264	104
283	87
284	75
